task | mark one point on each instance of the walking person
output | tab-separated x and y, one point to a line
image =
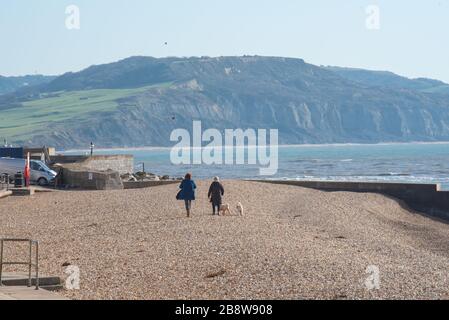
59	179
216	191
187	192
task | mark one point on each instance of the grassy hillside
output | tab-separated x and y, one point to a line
11	84
36	115
139	101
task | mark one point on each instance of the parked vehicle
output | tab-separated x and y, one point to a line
40	174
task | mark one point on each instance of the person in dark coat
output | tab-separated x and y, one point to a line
187	192
59	179
216	191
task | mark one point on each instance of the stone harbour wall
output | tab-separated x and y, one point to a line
80	178
123	164
427	198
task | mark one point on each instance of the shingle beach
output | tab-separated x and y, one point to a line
293	243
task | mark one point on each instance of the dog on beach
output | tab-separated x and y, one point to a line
225	209
240	209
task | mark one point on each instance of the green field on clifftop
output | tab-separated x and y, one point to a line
35	115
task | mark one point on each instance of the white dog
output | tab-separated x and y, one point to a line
240	209
225	209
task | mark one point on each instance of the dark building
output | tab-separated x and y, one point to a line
11	152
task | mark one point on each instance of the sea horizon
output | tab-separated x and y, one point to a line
279	145
396	162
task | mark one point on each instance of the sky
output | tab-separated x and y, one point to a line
408	37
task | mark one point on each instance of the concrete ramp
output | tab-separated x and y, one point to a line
10	279
4	193
25	293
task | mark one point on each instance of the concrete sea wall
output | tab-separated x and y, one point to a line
427	198
123	164
92	180
148	184
98	172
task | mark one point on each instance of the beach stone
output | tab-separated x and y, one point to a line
142	246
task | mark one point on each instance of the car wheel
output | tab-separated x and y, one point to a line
42	182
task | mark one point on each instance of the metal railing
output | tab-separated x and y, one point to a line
29	263
4	181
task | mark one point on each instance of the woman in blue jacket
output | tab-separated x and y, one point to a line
187	192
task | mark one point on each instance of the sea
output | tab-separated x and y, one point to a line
385	162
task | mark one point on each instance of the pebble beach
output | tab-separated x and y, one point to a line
292	243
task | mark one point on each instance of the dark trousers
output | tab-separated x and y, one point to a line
216	205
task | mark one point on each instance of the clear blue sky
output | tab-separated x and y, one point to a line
412	40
